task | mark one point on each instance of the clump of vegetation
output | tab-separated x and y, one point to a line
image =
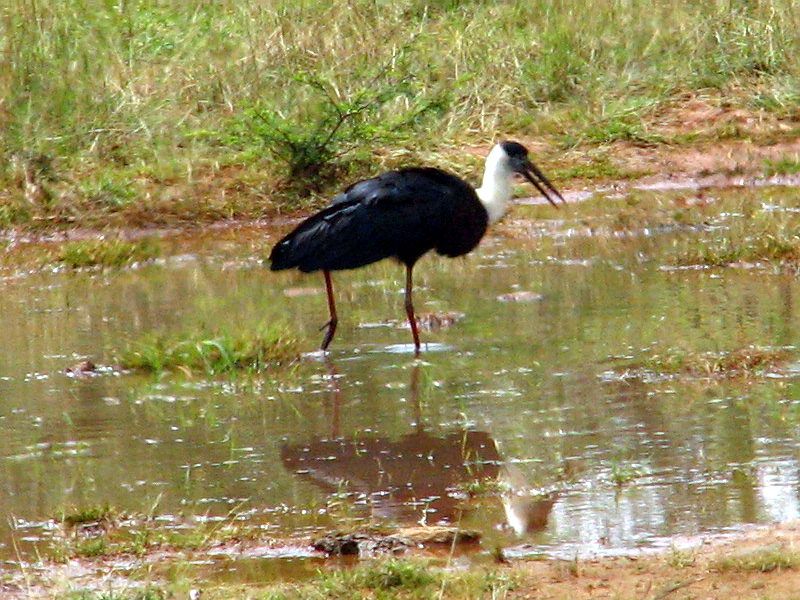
761	237
394	578
327	130
148	593
92	515
786	165
404	574
212	354
622	473
681	559
483	487
100	532
764	247
113	252
743	362
762	560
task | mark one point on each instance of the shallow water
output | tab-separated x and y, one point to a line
523	387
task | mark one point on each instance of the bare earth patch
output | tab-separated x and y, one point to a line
696	572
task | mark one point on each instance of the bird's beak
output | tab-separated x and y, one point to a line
532	173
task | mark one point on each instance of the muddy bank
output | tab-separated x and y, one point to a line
755	562
747	162
759	562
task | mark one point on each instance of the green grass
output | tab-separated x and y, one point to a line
163	112
92	514
769	238
396	578
742	362
111	252
763	560
95	533
143	594
786	165
622	473
212	353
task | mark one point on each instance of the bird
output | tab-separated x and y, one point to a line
404	214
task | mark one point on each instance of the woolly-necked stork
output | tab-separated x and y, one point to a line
404	214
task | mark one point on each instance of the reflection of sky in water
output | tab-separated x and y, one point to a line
534	378
777	489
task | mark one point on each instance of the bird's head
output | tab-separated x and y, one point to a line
514	157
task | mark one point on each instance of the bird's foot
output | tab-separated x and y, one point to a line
331	329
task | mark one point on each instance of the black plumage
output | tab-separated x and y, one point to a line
401	214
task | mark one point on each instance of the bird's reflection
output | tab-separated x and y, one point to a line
418	478
525	513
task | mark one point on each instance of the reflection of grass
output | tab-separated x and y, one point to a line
105	252
762	560
742	362
212	354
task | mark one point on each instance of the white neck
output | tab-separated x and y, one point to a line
496	188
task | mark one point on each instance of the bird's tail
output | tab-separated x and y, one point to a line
282	256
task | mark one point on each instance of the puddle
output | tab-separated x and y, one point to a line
512	424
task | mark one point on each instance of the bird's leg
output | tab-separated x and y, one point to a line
412	319
331	324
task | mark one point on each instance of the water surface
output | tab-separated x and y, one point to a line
524	389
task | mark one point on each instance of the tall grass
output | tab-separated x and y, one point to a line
149	91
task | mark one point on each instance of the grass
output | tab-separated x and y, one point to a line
762	560
111	252
681	559
622	473
145	112
90	515
743	362
786	165
757	237
212	353
396	578
96	532
765	246
144	594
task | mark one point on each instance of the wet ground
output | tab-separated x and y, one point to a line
521	421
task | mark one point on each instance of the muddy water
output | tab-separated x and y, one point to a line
525	390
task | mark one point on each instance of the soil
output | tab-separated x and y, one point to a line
678	574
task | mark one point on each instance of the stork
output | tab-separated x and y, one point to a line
404	214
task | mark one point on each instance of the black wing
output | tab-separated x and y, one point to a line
400	213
